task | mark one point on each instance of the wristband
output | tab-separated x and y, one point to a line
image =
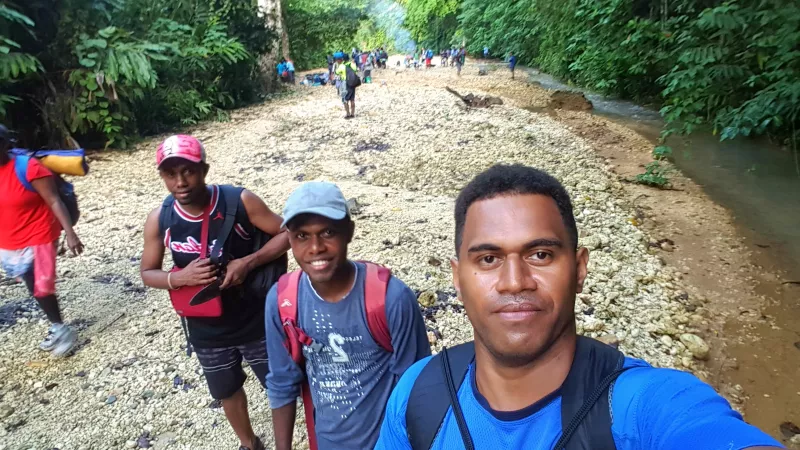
169	281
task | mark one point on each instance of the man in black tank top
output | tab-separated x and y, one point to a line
221	343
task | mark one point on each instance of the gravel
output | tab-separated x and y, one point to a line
402	161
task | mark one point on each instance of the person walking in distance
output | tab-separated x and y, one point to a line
461	56
231	221
30	225
339	331
512	63
528	381
346	91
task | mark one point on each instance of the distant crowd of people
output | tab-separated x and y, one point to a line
454	57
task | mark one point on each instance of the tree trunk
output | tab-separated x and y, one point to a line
284	33
270	10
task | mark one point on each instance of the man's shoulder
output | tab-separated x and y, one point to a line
654	386
403	389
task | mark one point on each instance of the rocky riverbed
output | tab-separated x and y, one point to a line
403	159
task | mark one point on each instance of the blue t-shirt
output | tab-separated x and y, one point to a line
512	61
651	409
352	377
281	68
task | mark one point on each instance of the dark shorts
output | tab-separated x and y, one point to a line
223	370
349	95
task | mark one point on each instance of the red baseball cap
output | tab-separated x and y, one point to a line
181	146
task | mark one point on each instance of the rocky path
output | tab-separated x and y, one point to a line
403	159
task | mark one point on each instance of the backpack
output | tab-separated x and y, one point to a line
375	285
585	397
351	77
66	191
259	280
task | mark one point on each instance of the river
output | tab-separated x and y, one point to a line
753	178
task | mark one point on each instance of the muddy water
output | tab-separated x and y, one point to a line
758	182
754	179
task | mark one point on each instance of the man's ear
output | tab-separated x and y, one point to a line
581	262
205	169
456	281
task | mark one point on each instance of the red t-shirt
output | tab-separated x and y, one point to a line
25	218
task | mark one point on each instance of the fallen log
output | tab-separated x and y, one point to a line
474	101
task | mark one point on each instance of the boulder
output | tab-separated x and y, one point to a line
569	100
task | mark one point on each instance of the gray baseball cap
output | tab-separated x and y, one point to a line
315	197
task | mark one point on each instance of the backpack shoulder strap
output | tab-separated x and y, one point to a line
375	285
21	168
585	404
429	399
165	216
232	196
288	286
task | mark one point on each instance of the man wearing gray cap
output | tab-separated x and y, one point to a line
350	355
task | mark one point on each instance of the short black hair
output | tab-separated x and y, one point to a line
515	179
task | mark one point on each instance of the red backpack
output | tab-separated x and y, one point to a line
376	282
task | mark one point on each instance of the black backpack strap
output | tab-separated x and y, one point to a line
453	391
585	397
232	195
165	217
430	397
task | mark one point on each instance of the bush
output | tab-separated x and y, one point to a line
112	70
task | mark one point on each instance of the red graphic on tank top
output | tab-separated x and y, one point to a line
190	246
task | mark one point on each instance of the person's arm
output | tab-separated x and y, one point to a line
284	377
198	272
406	327
283	425
46	188
675	410
267	221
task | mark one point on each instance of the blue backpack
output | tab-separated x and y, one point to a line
66	191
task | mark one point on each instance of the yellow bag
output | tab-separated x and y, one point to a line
62	162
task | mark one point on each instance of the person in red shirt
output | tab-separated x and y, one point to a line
30	225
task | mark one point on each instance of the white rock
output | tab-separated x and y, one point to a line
696	346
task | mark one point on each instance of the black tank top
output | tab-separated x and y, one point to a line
242	319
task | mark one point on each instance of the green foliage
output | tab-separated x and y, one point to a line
113	69
655	175
731	65
320	27
503	25
432	23
738	69
14	64
662	152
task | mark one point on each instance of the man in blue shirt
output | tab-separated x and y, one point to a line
512	63
351	376
517	271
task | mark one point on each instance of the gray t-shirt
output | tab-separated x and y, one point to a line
352	377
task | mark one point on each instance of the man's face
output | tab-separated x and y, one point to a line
517	274
319	245
185	180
